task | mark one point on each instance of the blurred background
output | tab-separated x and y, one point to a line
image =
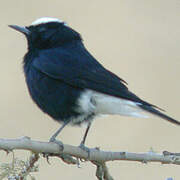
139	41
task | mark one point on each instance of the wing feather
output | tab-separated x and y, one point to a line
80	69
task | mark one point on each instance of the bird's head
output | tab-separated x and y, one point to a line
47	33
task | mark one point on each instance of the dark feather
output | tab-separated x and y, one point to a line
154	111
78	68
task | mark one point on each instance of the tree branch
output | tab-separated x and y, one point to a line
95	154
72	154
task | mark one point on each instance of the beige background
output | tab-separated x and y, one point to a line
138	40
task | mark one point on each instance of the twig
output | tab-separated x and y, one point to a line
102	172
31	164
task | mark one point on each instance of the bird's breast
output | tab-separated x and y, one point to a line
57	98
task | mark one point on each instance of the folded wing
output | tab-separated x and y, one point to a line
78	68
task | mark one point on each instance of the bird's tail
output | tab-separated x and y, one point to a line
156	112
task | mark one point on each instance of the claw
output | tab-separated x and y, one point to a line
59	143
86	149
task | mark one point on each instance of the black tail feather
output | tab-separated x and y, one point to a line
156	112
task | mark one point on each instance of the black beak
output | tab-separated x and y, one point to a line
20	29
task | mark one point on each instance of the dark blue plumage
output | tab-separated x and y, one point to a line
68	83
53	96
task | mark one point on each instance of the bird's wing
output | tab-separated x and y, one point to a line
82	71
79	69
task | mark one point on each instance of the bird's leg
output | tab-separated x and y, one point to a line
53	138
82	144
86	132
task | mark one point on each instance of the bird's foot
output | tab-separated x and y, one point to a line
59	143
61	147
86	149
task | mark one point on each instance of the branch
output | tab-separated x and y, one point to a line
95	154
102	171
72	154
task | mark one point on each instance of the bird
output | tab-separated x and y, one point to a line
67	82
